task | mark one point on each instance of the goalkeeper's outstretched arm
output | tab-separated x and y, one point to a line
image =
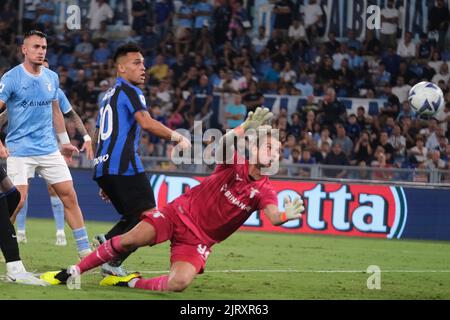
293	210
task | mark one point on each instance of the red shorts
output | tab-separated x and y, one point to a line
185	246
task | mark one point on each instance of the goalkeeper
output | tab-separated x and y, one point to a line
205	215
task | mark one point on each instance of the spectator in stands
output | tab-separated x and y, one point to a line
202	97
380	161
401	89
222	17
84	49
297	32
312	16
102	53
371	44
435	161
140	11
439	17
352	127
253	98
406	48
363	149
337	158
235	112
443	74
345	80
341	138
405	111
283	11
306	158
287	74
392	61
99	11
159	70
45	14
388	149
324	137
398	142
424	48
331	109
203	12
389	25
418	153
260	41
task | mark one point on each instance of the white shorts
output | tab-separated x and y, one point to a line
52	167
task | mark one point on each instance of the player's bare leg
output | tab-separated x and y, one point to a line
58	214
74	217
23	189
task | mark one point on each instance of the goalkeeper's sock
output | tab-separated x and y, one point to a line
154	284
58	212
81	239
22	217
13	199
8	242
106	252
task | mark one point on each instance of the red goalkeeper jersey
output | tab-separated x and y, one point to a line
222	202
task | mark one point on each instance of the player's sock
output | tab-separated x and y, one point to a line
22	217
58	212
155	284
8	241
81	239
105	253
13	199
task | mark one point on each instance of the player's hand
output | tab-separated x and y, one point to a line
257	118
4	153
87	146
181	140
293	210
103	195
67	151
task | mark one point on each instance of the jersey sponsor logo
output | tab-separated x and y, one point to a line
101	159
253	192
232	198
32	103
142	99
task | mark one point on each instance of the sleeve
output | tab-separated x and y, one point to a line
64	103
6	87
268	196
135	101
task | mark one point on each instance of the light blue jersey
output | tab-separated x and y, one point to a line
30	117
64	103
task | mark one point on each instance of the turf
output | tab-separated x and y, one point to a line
252	265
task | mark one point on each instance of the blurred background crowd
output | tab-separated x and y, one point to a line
201	51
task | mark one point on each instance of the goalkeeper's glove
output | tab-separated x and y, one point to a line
293	210
257	118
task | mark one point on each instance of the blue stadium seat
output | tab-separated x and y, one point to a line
373	109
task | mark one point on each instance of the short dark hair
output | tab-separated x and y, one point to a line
34	33
124	49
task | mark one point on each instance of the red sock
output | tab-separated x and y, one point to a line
155	284
105	253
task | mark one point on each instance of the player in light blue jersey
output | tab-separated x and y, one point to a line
56	203
30	93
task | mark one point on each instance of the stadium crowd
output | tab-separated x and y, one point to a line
196	49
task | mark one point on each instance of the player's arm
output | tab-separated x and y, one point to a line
67	149
73	116
3	117
155	127
293	210
225	148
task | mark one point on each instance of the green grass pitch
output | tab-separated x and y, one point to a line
253	265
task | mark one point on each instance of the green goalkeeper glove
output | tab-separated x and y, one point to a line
293	210
257	118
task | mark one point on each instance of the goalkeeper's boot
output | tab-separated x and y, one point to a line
119	281
60	277
16	273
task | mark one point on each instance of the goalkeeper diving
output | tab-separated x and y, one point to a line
205	215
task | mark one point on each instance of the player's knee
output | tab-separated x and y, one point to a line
179	283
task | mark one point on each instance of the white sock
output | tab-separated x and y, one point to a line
132	282
15	267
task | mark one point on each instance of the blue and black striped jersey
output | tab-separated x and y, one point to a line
119	131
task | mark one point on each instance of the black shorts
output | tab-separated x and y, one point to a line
130	195
3	174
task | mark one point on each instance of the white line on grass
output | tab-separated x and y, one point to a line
301	271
